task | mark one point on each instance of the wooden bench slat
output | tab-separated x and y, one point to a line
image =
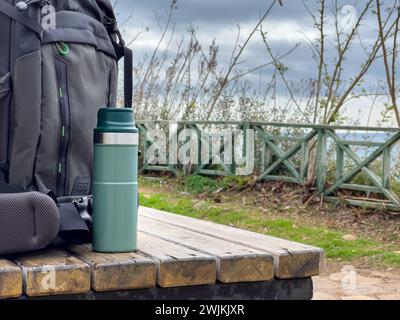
120	271
235	263
177	266
292	260
53	272
10	280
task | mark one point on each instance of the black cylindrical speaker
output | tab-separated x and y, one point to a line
28	221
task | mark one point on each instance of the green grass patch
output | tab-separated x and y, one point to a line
330	240
198	184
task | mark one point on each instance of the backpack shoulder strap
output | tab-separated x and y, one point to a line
21	17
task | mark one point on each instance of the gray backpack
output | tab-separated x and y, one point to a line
58	66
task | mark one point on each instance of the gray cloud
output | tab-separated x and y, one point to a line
217	18
214	12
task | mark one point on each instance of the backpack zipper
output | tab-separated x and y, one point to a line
65	126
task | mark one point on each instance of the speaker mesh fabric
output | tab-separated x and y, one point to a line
28	221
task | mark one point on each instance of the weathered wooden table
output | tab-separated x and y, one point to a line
178	258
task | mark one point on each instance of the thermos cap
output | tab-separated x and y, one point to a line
115	120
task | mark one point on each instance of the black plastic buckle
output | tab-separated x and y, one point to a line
85	208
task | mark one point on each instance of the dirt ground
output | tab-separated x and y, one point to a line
356	283
382	226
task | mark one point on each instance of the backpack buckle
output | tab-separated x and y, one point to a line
84	207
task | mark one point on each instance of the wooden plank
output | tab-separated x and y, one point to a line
360	187
121	271
177	266
10	280
53	272
291	259
367	203
235	263
362	143
281	179
284	138
219	173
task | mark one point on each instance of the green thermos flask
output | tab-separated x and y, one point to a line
115	187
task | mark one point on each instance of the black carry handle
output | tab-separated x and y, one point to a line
128	77
123	52
128	67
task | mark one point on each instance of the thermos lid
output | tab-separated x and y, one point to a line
116	120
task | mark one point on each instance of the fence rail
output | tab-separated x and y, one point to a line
344	158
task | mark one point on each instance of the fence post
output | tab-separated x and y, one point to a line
266	157
304	161
321	161
386	167
339	162
199	147
233	165
143	132
245	127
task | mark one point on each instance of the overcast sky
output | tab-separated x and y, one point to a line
217	19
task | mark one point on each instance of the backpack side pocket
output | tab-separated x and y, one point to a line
25	118
5	102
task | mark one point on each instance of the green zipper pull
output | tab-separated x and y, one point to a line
63	48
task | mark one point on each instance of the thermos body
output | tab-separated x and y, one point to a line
115	186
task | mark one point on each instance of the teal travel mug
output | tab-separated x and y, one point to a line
115	187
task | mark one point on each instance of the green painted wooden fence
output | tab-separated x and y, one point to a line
356	171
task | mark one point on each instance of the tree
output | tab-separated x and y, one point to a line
390	64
